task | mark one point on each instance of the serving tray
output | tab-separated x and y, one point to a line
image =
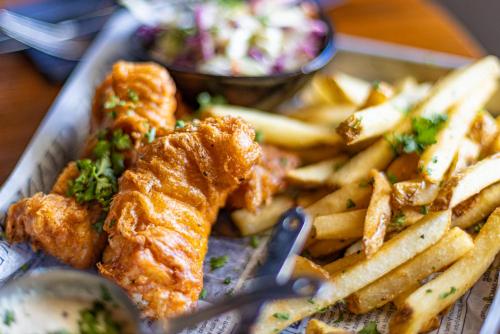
59	138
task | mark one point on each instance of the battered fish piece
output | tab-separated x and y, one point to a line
132	102
160	220
267	178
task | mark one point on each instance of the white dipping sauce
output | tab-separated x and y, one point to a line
32	312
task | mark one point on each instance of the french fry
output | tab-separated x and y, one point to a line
403	168
254	222
484	129
344	262
405	83
278	129
324	114
495	146
378	214
315	174
379	93
321	90
437	158
306	197
443	95
350	197
414	193
450	248
435	296
342	284
400	299
353	90
377	120
355	248
306	268
344	225
476	208
317	153
410	215
468	153
315	326
326	247
468	182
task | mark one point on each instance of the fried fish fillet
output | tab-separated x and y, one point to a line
134	98
266	179
160	220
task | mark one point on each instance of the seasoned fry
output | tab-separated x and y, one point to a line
432	298
254	222
355	248
277	129
317	153
318	327
433	227
326	247
344	225
414	193
443	95
400	299
321	90
315	174
353	90
377	120
468	153
468	182
403	168
451	247
484	129
379	93
405	217
305	267
476	208
437	158
344	262
495	146
378	214
324	114
351	196
307	197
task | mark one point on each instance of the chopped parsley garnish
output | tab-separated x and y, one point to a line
428	291
254	241
218	262
281	315
424	131
113	102
259	136
448	293
133	96
150	135
398	220
203	293
227	280
338	166
120	140
370	328
179	124
350	204
478	227
97	320
9	318
204	99
424	209
392	178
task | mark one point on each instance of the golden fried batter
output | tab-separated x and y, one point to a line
160	220
266	179
134	98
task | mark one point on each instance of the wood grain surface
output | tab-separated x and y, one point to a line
25	95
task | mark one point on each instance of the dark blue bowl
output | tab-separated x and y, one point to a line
262	92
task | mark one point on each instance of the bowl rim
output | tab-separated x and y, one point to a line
321	60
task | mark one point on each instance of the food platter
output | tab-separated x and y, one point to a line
61	134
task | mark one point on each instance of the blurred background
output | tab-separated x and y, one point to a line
30	80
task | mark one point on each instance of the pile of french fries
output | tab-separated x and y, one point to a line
391	217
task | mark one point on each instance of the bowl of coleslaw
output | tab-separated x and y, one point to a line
253	53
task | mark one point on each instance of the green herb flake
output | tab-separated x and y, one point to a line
254	241
392	178
448	293
259	136
350	204
227	280
151	134
424	209
97	319
121	141
112	102
204	100
179	124
98	226
311	301
218	262
203	293
105	294
133	96
9	318
428	291
370	328
340	318
281	315
478	227
398	220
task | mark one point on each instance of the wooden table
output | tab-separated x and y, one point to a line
25	95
